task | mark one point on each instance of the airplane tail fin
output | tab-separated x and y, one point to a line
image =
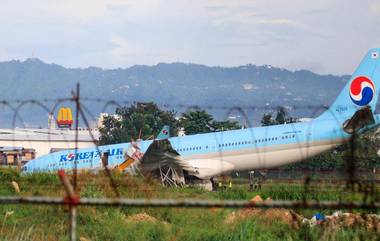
362	90
164	133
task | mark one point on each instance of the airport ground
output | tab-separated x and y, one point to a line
37	222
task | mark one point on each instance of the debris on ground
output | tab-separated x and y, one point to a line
346	220
335	221
317	219
15	186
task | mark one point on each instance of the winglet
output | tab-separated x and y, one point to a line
164	133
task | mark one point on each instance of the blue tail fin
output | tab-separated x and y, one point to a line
362	89
164	133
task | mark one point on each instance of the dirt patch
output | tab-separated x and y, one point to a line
141	217
256	199
268	215
283	215
144	217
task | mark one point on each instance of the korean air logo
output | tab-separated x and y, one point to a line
70	156
362	90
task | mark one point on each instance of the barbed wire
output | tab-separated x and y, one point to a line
189	203
367	187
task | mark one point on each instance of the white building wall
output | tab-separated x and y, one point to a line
44	140
44	147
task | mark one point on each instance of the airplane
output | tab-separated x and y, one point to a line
204	156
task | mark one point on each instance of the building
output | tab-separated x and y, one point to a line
19	145
44	141
15	155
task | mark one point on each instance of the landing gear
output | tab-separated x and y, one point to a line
171	177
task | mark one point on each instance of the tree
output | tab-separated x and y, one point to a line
267	120
225	125
195	122
145	120
140	120
282	117
199	121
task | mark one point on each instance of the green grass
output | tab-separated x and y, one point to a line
38	222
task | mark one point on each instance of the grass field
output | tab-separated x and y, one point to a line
37	222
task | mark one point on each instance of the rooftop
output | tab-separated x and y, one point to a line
22	134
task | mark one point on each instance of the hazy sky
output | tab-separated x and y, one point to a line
326	36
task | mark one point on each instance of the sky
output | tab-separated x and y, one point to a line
325	36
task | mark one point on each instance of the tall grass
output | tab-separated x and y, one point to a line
38	222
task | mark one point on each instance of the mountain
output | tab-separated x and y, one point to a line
176	85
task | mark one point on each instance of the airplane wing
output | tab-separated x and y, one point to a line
161	154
